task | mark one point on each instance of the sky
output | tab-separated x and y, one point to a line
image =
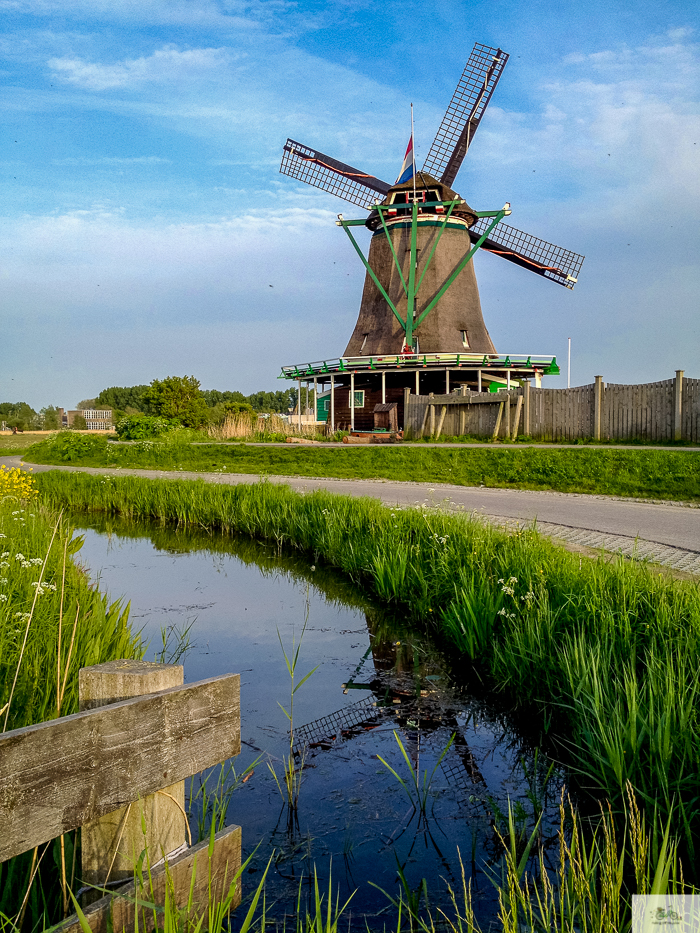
145	230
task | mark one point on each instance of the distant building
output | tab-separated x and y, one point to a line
96	419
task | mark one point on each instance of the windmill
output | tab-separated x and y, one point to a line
420	305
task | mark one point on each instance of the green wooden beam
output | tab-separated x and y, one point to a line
347	223
498	216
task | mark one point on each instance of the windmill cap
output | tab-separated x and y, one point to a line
424	181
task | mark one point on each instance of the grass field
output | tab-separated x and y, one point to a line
644	473
603	656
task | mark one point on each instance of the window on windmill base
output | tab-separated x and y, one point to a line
364	342
359	398
465	339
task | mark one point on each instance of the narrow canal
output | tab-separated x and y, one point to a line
379	690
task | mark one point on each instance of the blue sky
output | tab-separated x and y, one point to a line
144	219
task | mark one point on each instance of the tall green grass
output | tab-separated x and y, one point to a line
53	621
603	655
665	474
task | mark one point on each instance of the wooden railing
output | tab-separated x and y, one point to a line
119	763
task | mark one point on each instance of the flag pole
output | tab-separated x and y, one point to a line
413	155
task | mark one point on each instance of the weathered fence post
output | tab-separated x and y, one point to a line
112	844
431	396
678	406
518	407
463	390
498	422
526	408
598	402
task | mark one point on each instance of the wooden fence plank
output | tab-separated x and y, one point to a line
58	775
225	862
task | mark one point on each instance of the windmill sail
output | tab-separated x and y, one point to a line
554	263
470	99
317	169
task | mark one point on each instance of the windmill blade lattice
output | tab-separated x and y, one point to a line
317	169
470	99
553	262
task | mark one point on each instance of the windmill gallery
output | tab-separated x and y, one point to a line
420	327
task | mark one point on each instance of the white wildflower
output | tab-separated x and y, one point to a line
513	580
20	557
4	563
508	590
3	598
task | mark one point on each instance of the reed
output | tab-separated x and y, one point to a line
602	654
254	427
53	621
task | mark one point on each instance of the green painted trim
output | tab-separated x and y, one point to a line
404	225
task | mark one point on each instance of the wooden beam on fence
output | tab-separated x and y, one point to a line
111	844
498	420
431	409
58	775
526	408
426	413
118	911
678	406
598	405
518	409
441	421
463	391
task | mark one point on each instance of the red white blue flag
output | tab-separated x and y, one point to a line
408	169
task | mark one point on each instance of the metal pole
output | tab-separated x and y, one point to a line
315	398
299	406
417	382
352	401
333	404
568	374
447	382
478	384
508	380
383	388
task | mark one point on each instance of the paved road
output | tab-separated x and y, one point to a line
664	532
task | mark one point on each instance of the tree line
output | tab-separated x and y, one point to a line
180	398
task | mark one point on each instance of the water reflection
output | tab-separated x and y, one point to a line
384	696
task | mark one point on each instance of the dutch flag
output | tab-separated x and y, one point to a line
408	169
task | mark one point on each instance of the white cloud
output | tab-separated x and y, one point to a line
164	65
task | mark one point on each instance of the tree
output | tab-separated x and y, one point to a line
18	415
86	404
50	420
123	398
177	397
79	423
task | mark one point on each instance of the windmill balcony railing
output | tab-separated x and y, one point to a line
527	364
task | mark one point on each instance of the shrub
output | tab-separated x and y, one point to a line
69	447
140	427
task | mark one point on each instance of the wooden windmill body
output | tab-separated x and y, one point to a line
420	317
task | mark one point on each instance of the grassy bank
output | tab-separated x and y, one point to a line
663	474
53	621
604	654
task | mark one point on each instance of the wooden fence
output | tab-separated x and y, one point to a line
105	768
655	411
